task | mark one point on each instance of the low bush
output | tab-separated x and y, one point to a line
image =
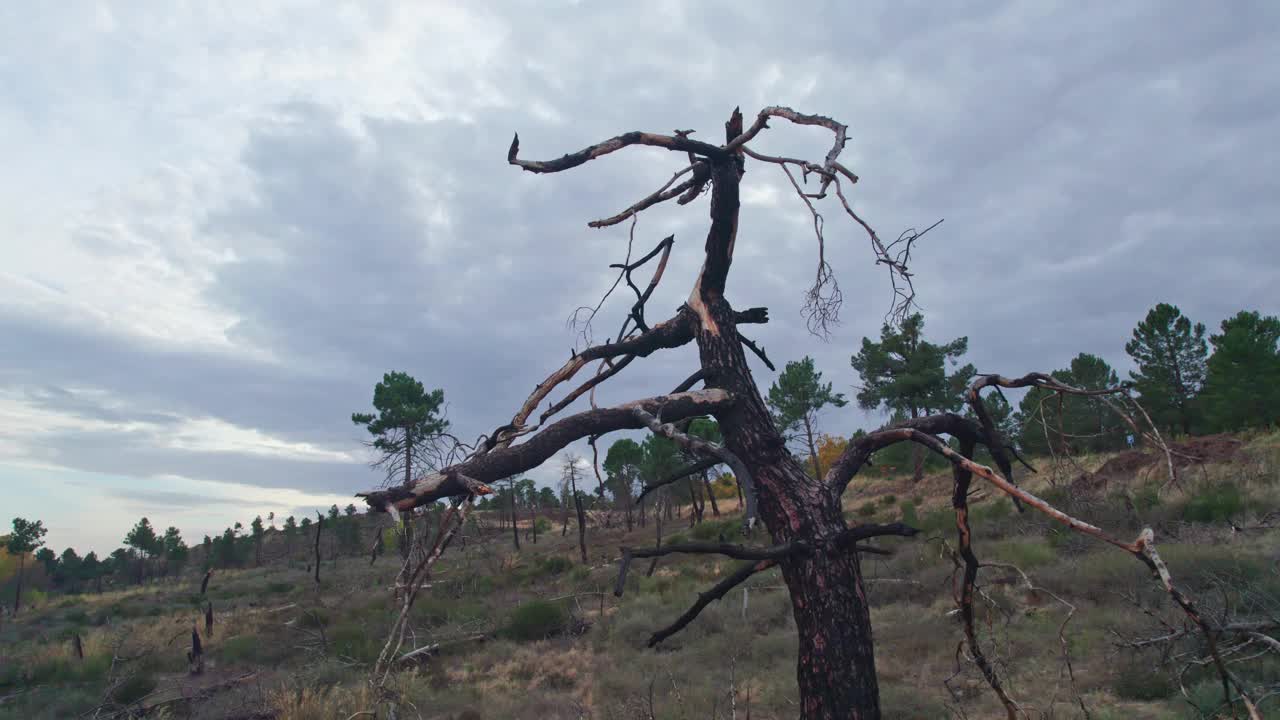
909	516
279	588
1136	680
536	620
355	641
1025	553
1215	503
76	617
555	565
242	648
867	509
713	529
134	688
312	618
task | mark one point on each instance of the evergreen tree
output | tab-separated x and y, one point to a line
1170	354
1242	386
143	539
349	530
795	399
1074	423
27	536
48	559
257	531
407	422
290	532
91	570
622	469
905	373
66	574
175	550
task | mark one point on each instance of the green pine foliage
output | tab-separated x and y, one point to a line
1171	356
1242	385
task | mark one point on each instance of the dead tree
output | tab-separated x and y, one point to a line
515	529
815	550
195	656
571	477
319	527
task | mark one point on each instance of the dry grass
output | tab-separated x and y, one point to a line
606	672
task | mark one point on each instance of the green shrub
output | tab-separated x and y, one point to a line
555	565
989	512
1216	503
134	688
1146	497
1025	553
579	573
241	648
909	516
542	525
1136	680
867	509
356	642
76	617
889	499
1206	698
713	529
536	620
312	618
278	588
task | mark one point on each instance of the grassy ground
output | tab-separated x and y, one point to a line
535	634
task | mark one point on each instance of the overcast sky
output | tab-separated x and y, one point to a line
220	228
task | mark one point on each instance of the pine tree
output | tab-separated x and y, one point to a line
907	374
406	423
1242	386
795	399
1170	354
1075	423
26	537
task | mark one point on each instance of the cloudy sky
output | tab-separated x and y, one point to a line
221	227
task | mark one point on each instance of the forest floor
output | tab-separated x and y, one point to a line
538	634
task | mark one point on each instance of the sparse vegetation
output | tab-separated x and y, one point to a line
511	648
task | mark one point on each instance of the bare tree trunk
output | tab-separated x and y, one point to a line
836	670
917	456
17	596
406	545
711	494
515	530
813	448
695	501
533	522
582	518
657	514
319	527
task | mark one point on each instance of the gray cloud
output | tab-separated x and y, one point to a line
176	498
1089	162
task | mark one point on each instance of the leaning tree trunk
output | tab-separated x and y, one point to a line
657	514
17	596
836	669
582	519
515	528
813	449
711	494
